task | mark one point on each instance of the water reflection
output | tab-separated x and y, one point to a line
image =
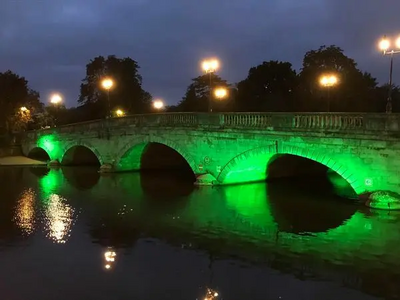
211	294
39	171
58	219
83	178
25	211
258	223
109	258
307	207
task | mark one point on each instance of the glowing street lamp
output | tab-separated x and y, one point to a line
220	93
23	109
119	113
55	99
385	47
210	66
158	104
107	84
328	81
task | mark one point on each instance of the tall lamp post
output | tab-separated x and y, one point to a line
328	81
107	84
210	66
385	45
56	101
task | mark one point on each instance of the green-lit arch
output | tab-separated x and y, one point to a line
70	145
140	142
31	149
251	166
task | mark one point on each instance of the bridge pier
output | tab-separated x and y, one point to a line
107	168
205	179
53	163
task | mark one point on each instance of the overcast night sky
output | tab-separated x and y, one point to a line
50	42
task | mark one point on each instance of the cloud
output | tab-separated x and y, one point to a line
50	42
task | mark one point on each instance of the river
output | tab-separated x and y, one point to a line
73	234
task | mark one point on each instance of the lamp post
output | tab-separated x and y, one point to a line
56	101
384	46
328	81
107	84
210	66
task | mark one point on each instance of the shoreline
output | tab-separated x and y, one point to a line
20	161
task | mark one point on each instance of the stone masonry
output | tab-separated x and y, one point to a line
230	148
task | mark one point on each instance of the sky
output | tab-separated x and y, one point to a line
50	42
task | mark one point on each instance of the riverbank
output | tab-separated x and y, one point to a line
20	161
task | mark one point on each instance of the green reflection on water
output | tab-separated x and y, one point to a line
243	220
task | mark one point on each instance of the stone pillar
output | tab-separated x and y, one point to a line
107	168
205	179
53	163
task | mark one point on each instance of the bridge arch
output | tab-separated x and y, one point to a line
252	165
39	153
134	149
80	153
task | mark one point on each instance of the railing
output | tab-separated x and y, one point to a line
268	121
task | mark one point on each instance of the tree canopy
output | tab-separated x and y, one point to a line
198	94
353	92
18	102
268	87
126	93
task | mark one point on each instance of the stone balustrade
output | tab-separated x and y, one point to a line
269	121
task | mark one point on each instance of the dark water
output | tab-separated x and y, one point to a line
71	234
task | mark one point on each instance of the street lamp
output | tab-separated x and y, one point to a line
328	81
384	46
55	99
220	92
119	113
107	84
210	66
158	104
23	109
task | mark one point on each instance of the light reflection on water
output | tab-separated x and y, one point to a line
308	235
58	218
25	212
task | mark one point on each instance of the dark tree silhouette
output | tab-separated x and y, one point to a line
355	91
268	87
198	93
127	92
14	94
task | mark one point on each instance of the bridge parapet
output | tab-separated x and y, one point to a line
352	122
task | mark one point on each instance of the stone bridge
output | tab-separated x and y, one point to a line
232	148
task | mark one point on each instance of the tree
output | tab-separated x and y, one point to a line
126	93
198	95
355	90
268	87
382	93
17	101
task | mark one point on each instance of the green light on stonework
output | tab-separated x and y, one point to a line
49	144
252	165
340	186
249	169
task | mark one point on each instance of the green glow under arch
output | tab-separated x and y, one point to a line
131	153
252	165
